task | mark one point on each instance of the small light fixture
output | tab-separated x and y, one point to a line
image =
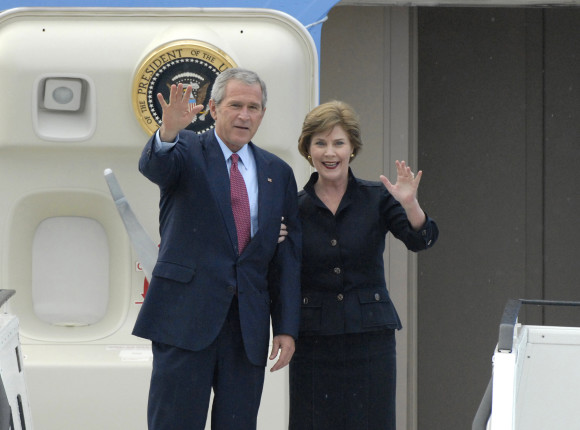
63	94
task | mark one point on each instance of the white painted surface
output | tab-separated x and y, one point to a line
96	376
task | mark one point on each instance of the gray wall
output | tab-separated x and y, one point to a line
498	131
498	140
352	67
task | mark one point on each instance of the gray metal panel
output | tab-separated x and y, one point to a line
498	124
472	148
562	148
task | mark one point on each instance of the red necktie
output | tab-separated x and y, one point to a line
240	204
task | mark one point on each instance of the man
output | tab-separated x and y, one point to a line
211	296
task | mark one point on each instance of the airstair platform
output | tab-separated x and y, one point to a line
535	375
14	407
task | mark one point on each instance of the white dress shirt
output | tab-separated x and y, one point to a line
246	165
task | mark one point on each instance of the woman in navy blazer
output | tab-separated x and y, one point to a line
343	374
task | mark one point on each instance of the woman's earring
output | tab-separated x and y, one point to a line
309	157
352	155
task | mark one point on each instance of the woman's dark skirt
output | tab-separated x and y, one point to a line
344	382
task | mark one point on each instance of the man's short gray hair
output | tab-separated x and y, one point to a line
248	77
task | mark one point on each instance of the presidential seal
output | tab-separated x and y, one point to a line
189	62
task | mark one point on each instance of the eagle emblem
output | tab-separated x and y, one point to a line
187	62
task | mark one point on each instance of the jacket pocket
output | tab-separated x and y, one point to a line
377	308
174	272
310	312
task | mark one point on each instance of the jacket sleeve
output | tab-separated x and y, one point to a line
284	271
397	223
160	167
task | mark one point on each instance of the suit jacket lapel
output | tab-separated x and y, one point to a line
265	190
219	182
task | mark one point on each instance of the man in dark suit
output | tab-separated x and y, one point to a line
211	296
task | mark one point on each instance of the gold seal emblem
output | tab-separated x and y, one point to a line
189	62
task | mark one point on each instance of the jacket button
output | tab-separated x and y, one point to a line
339	297
333	242
305	300
231	289
377	297
337	270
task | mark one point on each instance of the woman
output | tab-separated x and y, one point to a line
342	375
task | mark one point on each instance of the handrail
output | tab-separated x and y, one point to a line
510	318
5	295
484	411
505	344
